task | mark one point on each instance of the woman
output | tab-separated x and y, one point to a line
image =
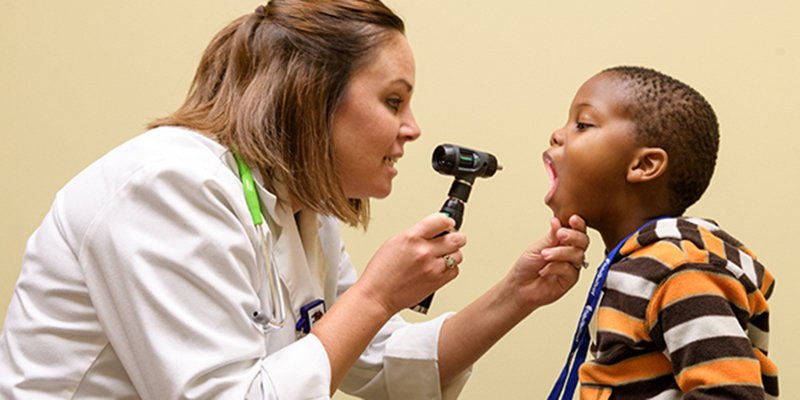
149	277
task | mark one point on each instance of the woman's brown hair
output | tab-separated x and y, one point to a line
268	85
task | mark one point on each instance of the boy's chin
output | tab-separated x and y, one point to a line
562	217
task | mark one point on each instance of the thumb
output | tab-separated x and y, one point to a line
550	239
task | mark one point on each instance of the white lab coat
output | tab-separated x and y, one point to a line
144	276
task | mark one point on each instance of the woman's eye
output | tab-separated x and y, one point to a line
394	103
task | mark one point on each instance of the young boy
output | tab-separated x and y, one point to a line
684	305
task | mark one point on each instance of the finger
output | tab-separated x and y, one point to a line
446	267
555	227
457	256
450	274
572	237
577	223
451	264
560	269
575	235
449	243
432	225
569	254
549	240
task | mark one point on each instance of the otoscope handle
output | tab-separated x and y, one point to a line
455	210
424	305
456	199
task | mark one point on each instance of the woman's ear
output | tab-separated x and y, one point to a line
649	164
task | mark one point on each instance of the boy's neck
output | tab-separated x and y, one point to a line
643	203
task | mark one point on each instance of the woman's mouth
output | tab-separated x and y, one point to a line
551	173
390	161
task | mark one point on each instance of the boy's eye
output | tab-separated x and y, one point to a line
582	126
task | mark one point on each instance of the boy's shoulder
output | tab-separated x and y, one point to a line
665	245
686	235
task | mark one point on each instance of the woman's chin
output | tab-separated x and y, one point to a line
375	193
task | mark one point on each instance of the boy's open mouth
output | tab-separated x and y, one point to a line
551	172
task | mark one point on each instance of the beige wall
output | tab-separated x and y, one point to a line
78	78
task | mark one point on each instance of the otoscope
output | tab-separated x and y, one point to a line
465	165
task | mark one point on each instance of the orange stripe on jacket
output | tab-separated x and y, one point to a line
758	304
713	243
612	320
592	393
632	369
664	252
693	283
725	371
767	366
693	253
767	282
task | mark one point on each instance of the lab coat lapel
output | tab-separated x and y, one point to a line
301	285
309	233
331	244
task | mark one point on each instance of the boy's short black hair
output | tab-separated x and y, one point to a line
671	115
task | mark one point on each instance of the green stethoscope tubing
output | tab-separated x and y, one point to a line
278	317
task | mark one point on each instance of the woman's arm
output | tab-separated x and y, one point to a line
542	274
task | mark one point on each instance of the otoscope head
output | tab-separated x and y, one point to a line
449	159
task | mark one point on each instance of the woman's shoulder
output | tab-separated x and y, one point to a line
159	163
174	150
172	143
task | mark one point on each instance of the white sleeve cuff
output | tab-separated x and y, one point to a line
307	355
411	363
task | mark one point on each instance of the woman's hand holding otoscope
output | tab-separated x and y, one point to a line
465	165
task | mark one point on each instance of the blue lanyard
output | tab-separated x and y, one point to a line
581	340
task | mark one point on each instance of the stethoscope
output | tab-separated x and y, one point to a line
277	318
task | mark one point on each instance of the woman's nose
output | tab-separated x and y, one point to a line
409	130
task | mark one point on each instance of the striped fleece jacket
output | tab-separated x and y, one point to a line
683	315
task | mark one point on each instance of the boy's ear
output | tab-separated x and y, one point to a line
649	164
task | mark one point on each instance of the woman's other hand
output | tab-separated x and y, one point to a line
550	267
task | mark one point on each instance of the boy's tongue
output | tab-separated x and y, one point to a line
553	178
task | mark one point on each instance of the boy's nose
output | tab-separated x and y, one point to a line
557	137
